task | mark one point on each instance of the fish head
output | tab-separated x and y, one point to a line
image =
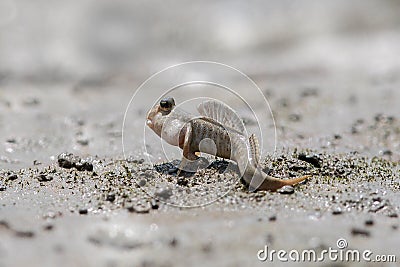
158	114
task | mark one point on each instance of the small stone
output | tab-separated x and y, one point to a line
131	209
154	204
294	117
168	168
83	142
164	193
83	211
138	209
312	159
48	227
377	199
387	152
173	170
379	117
44	178
286	190
84	166
110	197
182	182
173	242
12	177
49	215
337	136
337	211
4	224
369	222
11	140
142	182
361	232
307	92
25	234
272	218
66	160
296	168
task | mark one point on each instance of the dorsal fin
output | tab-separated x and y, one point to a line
254	148
221	113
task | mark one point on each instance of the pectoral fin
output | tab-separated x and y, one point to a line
188	156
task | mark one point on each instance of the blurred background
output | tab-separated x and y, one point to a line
77	41
68	68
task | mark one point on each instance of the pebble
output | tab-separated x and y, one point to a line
139	209
83	211
164	193
307	92
313	159
220	165
337	136
12	177
337	211
110	197
154	204
182	182
44	178
168	168
142	182
84	166
49	215
2	187
294	117
83	142
286	190
69	160
361	232
48	227
297	168
66	160
25	234
272	218
173	242
369	222
11	140
387	152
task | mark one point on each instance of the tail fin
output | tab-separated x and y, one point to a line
273	184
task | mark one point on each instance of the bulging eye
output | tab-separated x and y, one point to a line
167	103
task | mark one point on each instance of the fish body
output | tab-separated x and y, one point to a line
218	131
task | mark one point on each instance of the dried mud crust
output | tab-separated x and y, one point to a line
340	183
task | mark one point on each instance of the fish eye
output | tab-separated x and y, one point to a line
167	103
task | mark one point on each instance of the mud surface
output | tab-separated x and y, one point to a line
69	197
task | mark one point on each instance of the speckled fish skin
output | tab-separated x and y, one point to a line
187	131
202	129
